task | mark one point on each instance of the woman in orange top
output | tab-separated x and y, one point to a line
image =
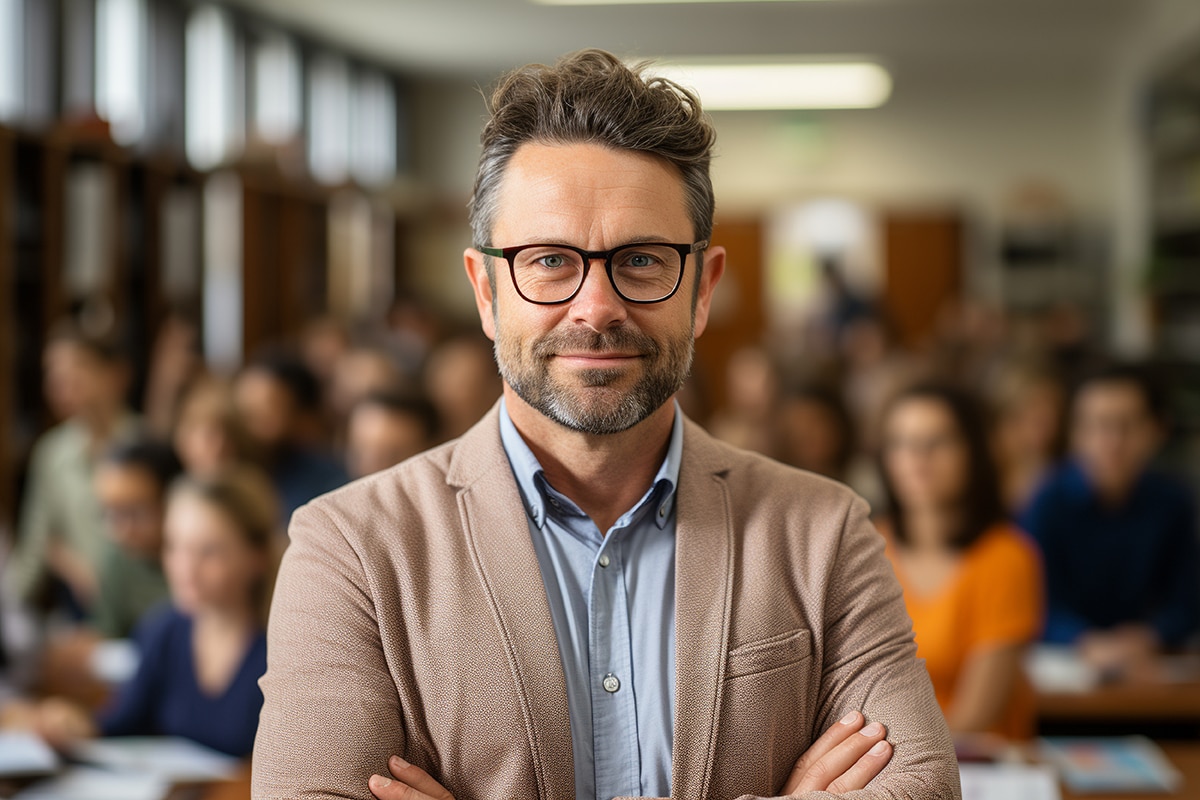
972	582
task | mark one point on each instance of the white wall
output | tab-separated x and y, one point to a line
946	137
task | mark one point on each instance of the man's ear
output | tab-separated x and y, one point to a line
473	261
714	268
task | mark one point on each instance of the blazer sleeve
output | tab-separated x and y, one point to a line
870	664
331	714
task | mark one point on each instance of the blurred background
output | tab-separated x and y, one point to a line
237	227
1032	173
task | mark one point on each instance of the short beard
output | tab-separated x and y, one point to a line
598	409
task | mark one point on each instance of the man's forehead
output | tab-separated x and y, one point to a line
555	185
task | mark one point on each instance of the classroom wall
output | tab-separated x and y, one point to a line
963	139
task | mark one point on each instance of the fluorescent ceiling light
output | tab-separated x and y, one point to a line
740	87
648	2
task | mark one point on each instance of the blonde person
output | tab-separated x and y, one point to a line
202	656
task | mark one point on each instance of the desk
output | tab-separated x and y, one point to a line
1186	758
1162	700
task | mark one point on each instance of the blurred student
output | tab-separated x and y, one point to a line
278	400
131	483
752	402
1118	538
1028	400
202	656
816	432
971	581
208	435
363	370
60	535
386	428
461	378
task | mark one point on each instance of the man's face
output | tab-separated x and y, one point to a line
1113	434
595	364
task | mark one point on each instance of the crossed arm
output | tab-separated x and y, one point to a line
845	758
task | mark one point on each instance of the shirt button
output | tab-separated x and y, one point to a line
662	512
610	683
604	560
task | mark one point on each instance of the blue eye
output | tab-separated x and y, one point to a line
553	261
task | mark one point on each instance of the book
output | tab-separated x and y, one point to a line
1091	765
1008	782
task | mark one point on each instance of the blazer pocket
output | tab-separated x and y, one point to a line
781	650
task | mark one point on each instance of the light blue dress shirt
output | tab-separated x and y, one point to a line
612	599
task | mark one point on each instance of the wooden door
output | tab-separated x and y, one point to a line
923	262
738	318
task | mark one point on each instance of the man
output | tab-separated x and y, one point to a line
586	596
1118	538
61	537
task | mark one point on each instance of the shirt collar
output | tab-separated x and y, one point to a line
536	492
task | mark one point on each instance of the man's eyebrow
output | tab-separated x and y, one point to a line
650	238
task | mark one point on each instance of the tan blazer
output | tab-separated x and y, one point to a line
410	618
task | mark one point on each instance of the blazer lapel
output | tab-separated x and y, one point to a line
703	591
498	531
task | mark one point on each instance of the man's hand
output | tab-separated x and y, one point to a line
847	757
406	783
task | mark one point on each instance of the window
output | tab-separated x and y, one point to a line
374	129
121	67
329	114
277	99
12	53
213	124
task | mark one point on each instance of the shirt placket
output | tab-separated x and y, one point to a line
610	662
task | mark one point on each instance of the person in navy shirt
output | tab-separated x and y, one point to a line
202	656
1118	538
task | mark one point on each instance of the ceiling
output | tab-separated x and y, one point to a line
479	38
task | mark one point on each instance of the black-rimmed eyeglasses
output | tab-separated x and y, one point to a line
643	272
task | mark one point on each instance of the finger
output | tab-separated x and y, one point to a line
864	770
838	733
417	778
386	788
834	764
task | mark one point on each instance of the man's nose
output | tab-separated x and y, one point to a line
597	303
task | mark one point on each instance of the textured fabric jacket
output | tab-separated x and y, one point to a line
410	618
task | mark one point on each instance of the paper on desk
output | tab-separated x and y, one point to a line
1054	668
88	783
168	758
1008	782
24	753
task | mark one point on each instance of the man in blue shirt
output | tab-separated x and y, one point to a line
1118	539
586	595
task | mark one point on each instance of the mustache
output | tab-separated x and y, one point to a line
625	340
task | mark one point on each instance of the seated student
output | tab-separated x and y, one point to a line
1118	539
971	581
279	402
202	656
385	428
131	483
208	436
60	535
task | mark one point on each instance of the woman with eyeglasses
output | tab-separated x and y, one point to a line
971	580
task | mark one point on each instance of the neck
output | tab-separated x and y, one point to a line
225	621
603	474
101	423
929	529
